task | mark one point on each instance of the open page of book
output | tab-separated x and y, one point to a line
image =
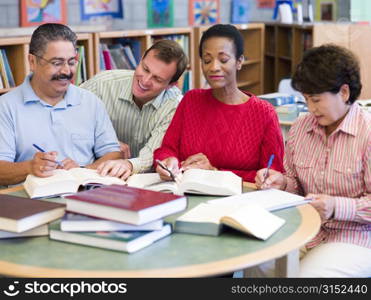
209	182
254	220
152	181
207	213
84	176
271	199
143	180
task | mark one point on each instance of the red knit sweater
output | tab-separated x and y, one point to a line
239	138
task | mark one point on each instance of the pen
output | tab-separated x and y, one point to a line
42	150
268	167
166	169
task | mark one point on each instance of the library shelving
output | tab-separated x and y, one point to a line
285	45
16	49
144	39
250	77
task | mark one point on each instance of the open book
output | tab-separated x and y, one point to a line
193	181
65	182
208	219
271	199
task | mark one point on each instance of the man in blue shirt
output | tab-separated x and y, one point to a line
69	123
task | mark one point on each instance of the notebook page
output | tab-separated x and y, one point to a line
270	199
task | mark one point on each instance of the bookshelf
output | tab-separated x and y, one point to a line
16	50
145	38
286	43
17	53
250	77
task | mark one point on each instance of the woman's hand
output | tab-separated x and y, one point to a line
324	204
272	179
197	161
172	164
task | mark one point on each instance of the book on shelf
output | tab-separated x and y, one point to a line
270	199
102	65
193	181
4	76
65	182
126	241
1	82
125	204
19	214
78	222
209	219
118	56
80	76
130	56
107	58
37	231
8	70
135	47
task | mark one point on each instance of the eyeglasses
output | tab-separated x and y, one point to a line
59	63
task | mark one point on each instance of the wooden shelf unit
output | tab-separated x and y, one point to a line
17	49
285	45
145	38
250	77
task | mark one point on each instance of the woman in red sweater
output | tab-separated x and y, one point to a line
222	128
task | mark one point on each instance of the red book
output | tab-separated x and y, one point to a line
18	214
107	59
125	204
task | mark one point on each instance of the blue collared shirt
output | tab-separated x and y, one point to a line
77	127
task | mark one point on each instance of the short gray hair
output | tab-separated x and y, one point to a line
50	32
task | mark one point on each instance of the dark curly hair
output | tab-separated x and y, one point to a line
326	69
223	30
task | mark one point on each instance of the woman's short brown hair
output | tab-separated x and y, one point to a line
326	69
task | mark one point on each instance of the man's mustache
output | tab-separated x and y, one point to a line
62	76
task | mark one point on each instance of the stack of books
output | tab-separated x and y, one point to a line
21	217
117	217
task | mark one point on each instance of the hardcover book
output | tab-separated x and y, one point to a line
77	222
65	182
19	214
125	204
37	231
126	241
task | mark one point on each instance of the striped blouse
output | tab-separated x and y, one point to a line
142	129
339	166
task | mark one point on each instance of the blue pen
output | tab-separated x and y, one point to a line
268	167
42	150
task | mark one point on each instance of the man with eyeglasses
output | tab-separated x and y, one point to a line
141	104
68	123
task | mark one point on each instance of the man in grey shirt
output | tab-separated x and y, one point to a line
141	104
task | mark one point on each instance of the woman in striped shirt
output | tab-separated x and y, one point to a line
328	159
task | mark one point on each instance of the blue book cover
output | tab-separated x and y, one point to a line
135	46
8	70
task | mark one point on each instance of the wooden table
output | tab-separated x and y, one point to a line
179	255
